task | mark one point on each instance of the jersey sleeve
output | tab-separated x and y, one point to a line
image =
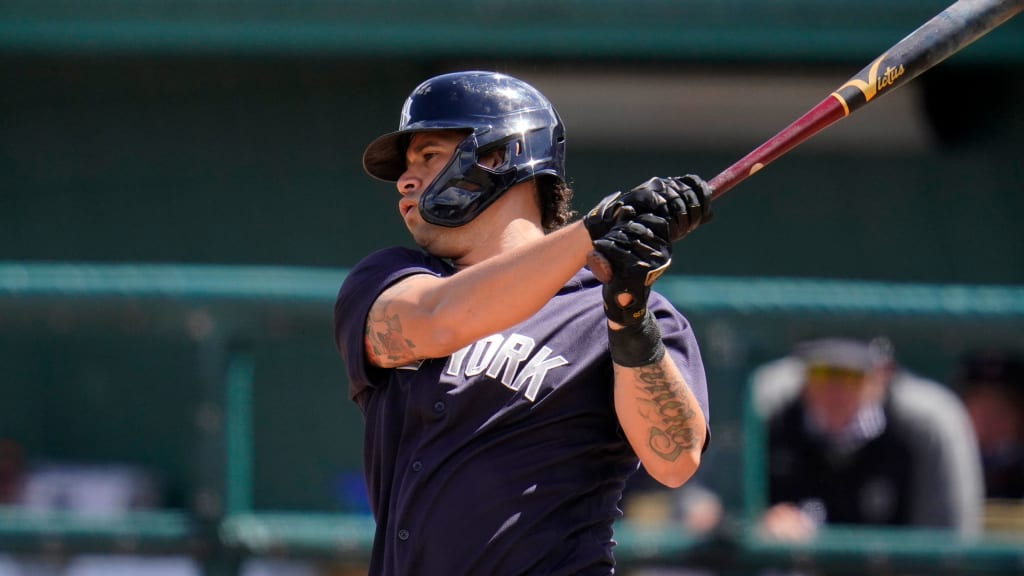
363	284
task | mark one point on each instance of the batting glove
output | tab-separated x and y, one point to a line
638	256
683	202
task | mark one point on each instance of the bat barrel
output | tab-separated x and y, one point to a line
951	30
948	32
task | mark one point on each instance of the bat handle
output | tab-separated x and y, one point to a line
724	181
830	110
599	266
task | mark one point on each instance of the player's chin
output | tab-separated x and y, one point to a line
422	235
416	226
440	245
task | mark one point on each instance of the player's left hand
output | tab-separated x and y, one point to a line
684	202
638	255
608	212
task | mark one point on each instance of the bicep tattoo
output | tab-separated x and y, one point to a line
385	341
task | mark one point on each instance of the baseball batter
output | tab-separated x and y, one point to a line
507	393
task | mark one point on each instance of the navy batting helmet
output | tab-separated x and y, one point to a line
498	112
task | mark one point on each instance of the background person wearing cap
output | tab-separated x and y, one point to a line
853	438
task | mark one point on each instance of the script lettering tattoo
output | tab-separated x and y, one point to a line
671	419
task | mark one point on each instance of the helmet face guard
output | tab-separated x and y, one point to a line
463	188
500	113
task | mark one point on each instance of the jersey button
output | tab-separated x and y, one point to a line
417	466
403	534
439	406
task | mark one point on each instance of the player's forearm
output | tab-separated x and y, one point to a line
661	419
510	287
438	316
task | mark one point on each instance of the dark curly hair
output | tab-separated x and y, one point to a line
555	198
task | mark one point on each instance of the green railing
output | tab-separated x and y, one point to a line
222	308
306	289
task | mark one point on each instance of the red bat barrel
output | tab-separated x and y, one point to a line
950	31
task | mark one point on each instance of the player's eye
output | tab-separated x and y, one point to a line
436	155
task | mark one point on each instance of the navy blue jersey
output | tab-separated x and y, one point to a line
505	457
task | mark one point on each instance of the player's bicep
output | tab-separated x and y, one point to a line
395	326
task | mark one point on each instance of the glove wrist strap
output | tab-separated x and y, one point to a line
637	344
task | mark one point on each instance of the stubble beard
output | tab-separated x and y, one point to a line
438	241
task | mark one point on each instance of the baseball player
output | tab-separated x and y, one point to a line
507	393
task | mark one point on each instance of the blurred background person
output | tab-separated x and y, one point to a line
991	383
855	439
694	507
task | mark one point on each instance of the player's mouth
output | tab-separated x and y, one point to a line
405	206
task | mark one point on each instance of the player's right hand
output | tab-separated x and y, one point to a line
637	254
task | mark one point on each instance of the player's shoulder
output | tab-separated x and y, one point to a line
386	261
393	255
382	268
666	311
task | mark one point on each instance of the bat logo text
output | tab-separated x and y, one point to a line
889	77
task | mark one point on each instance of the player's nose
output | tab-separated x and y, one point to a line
407	183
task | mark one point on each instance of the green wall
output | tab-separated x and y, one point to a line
232	159
257	160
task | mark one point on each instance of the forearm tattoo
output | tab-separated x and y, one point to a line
663	405
385	339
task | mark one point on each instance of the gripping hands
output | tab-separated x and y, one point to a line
633	235
683	203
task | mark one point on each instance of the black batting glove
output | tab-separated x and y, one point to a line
619	207
684	202
638	256
601	218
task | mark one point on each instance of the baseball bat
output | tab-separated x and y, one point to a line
948	32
